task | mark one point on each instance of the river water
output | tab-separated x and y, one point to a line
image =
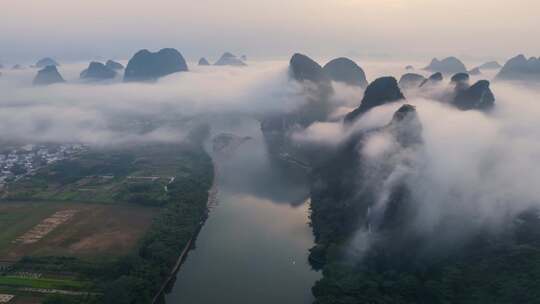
254	246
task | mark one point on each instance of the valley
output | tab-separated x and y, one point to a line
63	224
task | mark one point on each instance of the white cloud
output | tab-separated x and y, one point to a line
77	111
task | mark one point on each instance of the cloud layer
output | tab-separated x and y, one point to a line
472	164
474	170
115	111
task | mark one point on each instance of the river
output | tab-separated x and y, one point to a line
254	246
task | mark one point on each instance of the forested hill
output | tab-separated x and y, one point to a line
377	255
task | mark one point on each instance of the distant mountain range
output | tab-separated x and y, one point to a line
520	68
148	66
48	75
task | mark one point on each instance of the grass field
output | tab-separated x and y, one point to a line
43	283
95	230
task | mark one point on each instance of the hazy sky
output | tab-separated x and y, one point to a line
81	29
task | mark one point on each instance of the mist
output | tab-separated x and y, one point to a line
113	112
473	172
472	165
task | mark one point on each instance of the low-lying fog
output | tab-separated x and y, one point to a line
111	111
483	164
475	170
93	112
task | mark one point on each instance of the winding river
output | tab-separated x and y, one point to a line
254	246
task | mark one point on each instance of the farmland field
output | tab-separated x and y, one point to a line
42	283
21	298
93	230
104	176
104	216
18	218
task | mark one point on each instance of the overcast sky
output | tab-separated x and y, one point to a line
84	29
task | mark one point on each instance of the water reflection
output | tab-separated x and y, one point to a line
254	246
251	171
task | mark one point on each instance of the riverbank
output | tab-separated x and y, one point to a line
254	246
211	202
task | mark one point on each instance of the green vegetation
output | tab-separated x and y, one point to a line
403	266
62	299
44	283
508	275
137	174
151	194
63	265
70	180
174	177
139	277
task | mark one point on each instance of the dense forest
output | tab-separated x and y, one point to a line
138	278
402	265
